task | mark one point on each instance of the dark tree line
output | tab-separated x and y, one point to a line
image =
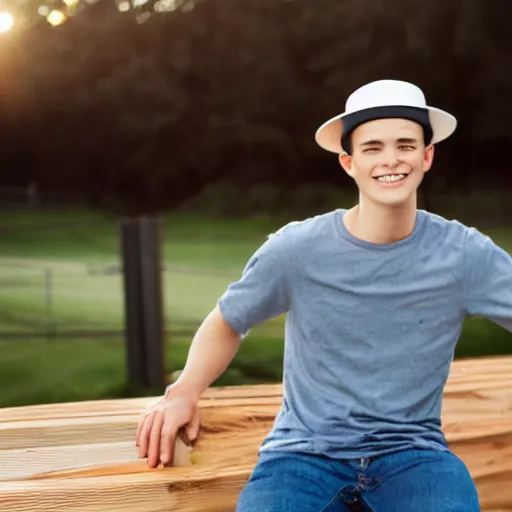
142	115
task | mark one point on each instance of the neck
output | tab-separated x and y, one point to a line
379	223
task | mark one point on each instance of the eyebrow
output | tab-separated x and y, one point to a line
402	140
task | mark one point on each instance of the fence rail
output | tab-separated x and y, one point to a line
80	301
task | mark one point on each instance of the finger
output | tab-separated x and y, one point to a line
144	434
139	428
154	440
167	442
192	429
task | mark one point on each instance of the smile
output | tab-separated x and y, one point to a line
391	178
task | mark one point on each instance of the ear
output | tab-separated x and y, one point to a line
428	159
346	163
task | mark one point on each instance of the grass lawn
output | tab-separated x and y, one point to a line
59	272
34	371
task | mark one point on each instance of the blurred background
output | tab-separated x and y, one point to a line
202	113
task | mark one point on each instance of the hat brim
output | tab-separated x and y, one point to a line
328	136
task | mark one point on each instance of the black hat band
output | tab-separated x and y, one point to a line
416	114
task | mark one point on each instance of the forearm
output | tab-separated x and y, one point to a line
214	346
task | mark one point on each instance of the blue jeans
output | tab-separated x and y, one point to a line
411	480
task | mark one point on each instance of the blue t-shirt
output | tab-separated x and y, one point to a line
370	328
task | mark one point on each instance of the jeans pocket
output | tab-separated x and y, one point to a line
264	468
258	477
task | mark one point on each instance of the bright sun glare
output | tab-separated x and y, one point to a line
6	21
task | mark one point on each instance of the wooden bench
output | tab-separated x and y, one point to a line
82	457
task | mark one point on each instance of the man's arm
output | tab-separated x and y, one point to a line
261	293
214	346
487	279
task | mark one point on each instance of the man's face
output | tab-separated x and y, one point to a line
388	160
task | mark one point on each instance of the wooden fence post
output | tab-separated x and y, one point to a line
141	248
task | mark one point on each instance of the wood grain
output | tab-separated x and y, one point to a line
82	457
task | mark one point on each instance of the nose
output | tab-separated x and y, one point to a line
390	156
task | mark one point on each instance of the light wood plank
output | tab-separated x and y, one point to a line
81	457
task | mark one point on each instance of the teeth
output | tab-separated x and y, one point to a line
391	178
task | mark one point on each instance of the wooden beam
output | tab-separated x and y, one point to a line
81	456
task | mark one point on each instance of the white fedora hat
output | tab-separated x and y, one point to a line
380	99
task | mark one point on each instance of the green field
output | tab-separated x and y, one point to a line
61	303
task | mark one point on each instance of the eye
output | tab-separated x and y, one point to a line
407	148
370	150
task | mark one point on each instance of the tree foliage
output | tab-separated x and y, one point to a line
142	109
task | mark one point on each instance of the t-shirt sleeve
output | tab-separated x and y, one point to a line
487	279
262	292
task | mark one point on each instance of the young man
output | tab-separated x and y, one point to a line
375	297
